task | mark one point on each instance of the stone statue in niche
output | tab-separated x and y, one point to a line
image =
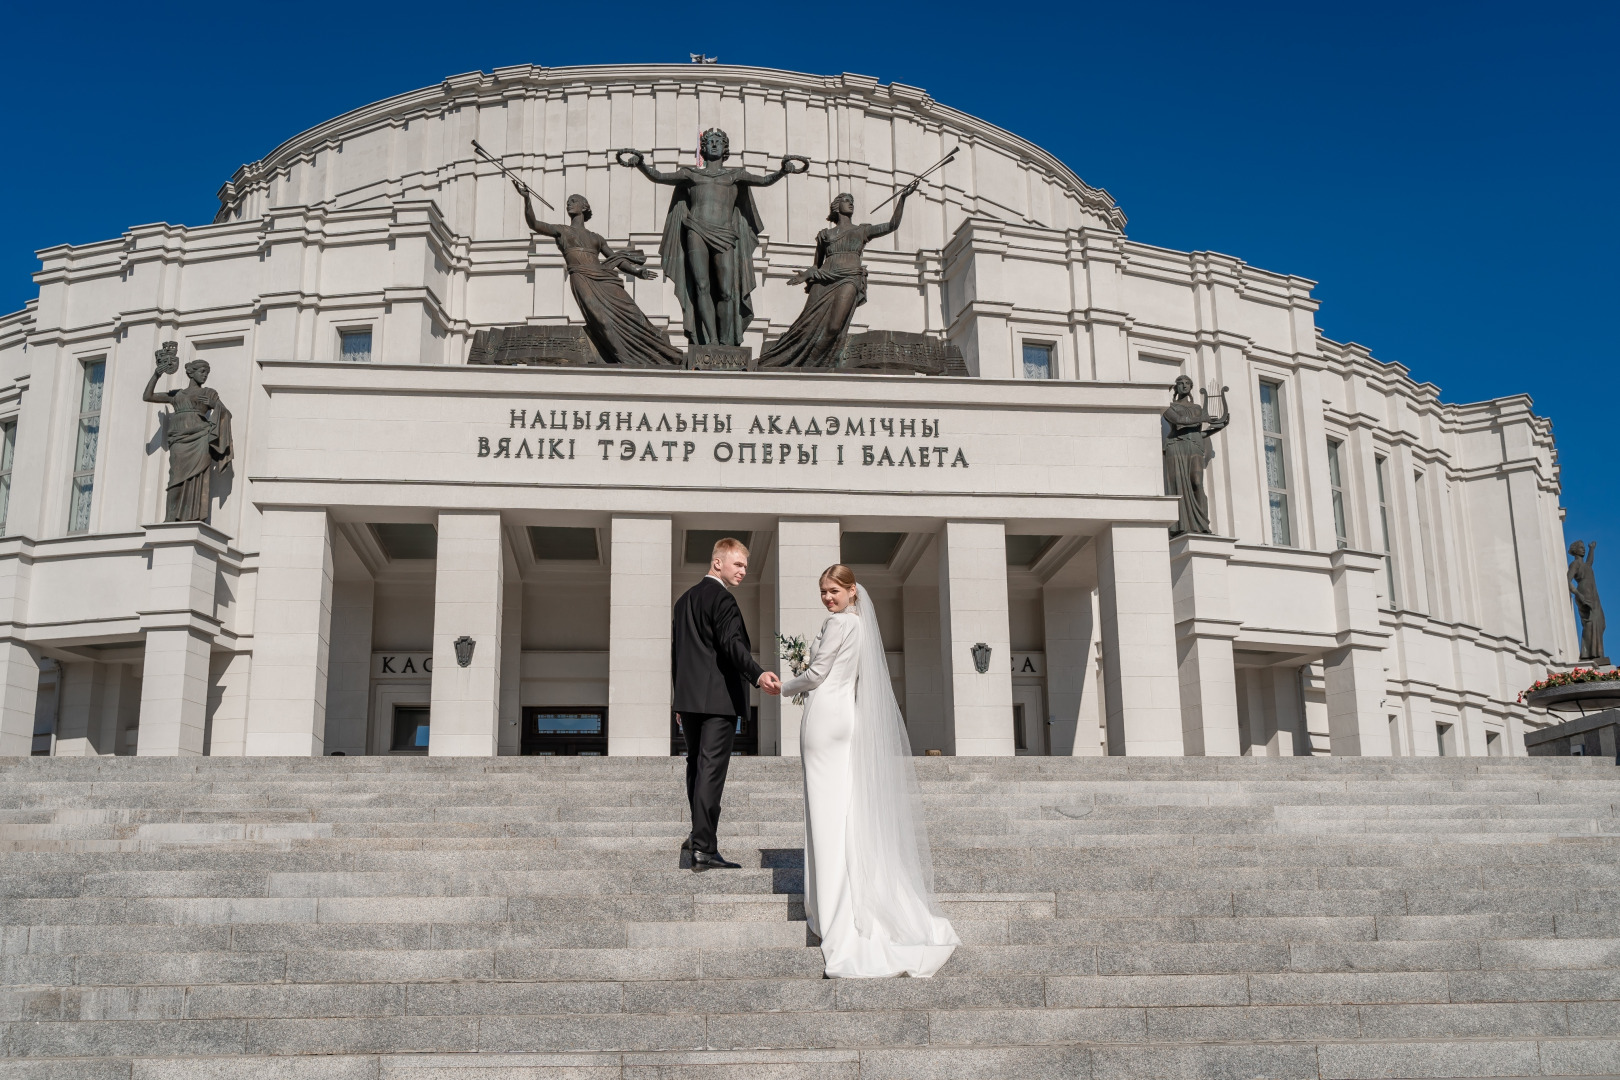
1583	586
618	329
1186	449
198	436
836	287
710	234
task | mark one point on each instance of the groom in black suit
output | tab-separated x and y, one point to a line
713	666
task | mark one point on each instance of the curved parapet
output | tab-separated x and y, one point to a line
557	127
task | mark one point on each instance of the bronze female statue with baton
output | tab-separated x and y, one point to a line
836	284
617	327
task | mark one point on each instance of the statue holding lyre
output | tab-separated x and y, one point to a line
198	435
1186	448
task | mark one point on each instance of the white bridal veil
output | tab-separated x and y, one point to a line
891	875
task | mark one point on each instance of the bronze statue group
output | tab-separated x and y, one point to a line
710	234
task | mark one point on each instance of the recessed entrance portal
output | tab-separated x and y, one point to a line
565	732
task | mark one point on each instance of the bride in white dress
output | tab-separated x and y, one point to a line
868	882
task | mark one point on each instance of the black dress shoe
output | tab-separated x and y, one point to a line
712	860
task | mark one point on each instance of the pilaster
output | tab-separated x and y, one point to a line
1142	685
803	550
639	600
1358	724
973	611
292	632
468	594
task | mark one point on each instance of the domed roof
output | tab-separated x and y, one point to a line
557	127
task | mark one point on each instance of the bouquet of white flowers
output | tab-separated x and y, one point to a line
797	653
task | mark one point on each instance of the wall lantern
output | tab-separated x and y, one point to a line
981	657
464	649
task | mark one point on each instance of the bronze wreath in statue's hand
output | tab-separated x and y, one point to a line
630	159
800	160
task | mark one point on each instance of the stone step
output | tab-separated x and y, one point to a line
1289	1043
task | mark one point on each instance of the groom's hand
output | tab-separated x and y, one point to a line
771	683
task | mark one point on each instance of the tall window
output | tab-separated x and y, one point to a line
8	448
1383	522
1336	482
355	345
1276	466
1037	361
84	454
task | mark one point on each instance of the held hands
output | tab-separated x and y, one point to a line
771	683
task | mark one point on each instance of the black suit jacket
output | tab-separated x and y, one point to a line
711	658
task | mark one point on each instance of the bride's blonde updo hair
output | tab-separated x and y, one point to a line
840	574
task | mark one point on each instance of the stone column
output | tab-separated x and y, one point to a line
1358	724
973	610
1071	634
926	720
803	550
511	718
468	594
19	671
180	625
230	675
641	579
348	682
78	721
292	633
1205	631
770	705
1143	693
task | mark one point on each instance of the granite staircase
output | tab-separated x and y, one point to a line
528	919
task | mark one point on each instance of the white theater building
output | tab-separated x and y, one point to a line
1390	588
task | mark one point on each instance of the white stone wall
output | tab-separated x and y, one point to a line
383	219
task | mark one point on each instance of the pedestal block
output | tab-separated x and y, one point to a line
180	626
1205	631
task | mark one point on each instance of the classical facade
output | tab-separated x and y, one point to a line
409	552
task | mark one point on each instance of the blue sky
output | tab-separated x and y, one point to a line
1447	172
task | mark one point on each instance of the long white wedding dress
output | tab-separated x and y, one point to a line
868	883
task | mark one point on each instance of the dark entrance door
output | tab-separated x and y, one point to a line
566	731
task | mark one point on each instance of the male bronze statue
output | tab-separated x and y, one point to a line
1583	586
837	286
710	234
198	435
1186	446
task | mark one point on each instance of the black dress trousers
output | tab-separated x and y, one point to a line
708	756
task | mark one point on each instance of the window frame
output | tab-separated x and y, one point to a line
1380	467
87	475
1053	364
354	330
1280	439
8	463
1336	488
